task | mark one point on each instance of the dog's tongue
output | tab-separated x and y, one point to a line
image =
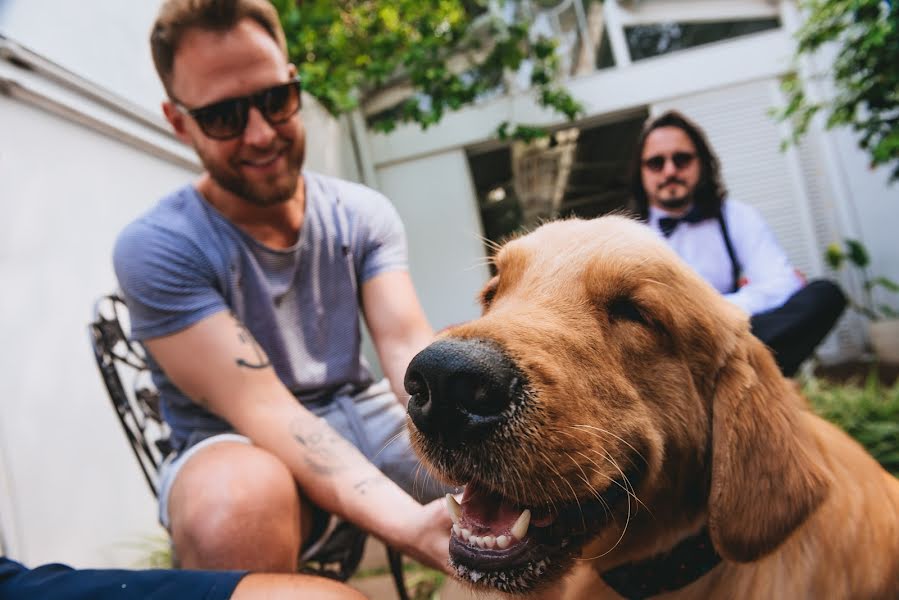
484	508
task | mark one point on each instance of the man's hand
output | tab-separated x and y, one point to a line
427	536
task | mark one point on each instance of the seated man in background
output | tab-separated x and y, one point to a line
677	188
59	582
247	288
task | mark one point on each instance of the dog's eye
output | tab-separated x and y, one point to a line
489	291
625	309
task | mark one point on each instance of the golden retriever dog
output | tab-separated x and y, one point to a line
610	411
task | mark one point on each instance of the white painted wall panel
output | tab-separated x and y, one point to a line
76	493
436	201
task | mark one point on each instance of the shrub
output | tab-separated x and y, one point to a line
868	411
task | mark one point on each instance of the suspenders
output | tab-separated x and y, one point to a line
736	269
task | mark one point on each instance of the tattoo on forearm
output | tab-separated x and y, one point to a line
366	484
260	361
325	449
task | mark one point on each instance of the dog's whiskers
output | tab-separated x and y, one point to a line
607	432
626	486
552	467
387	443
627	518
586	480
627	482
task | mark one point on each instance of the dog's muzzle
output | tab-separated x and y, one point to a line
460	389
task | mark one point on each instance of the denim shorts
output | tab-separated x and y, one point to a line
374	422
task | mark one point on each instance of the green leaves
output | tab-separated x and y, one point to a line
449	52
857	255
868	412
865	74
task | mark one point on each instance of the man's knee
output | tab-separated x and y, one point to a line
828	295
230	498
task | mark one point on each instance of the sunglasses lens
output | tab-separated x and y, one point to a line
682	159
280	102
228	119
223	120
655	163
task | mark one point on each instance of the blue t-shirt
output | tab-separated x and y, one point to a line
183	261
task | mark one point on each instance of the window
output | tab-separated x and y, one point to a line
646	41
581	172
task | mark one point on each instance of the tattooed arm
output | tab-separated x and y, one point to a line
218	361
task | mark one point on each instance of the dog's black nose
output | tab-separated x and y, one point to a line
459	389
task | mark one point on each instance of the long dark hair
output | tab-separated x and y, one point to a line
710	190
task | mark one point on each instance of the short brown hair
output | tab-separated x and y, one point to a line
177	16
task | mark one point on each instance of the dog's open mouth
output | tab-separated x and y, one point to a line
514	548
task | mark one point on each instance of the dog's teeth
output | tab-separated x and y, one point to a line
520	529
466	534
455	511
489	541
503	542
479	540
457	531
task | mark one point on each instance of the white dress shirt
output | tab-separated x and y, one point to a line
771	277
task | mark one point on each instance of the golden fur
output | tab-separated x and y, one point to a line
636	365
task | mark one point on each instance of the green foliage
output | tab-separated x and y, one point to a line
155	551
869	412
865	74
855	254
422	583
451	52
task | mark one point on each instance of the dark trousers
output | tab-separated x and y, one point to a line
60	582
794	330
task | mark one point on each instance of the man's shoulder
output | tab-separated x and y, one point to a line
176	220
334	189
738	208
176	212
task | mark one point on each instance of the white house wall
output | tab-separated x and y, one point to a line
435	199
106	41
873	205
77	494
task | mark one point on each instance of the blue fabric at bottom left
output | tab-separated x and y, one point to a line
60	582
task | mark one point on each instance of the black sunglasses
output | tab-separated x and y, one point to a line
680	160
227	119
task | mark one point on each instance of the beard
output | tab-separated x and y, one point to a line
675	203
271	191
665	199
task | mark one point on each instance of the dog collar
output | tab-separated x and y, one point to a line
677	568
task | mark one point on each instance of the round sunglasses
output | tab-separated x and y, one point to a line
679	159
227	119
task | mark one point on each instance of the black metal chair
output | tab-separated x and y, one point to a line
123	367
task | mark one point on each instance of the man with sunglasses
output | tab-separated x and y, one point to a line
677	188
246	288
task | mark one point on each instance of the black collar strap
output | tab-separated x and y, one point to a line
677	568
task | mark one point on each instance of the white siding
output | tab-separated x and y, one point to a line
75	492
435	198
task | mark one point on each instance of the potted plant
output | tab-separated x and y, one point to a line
883	319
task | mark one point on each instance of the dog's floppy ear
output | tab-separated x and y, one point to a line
765	481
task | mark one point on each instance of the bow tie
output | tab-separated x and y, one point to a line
669	224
